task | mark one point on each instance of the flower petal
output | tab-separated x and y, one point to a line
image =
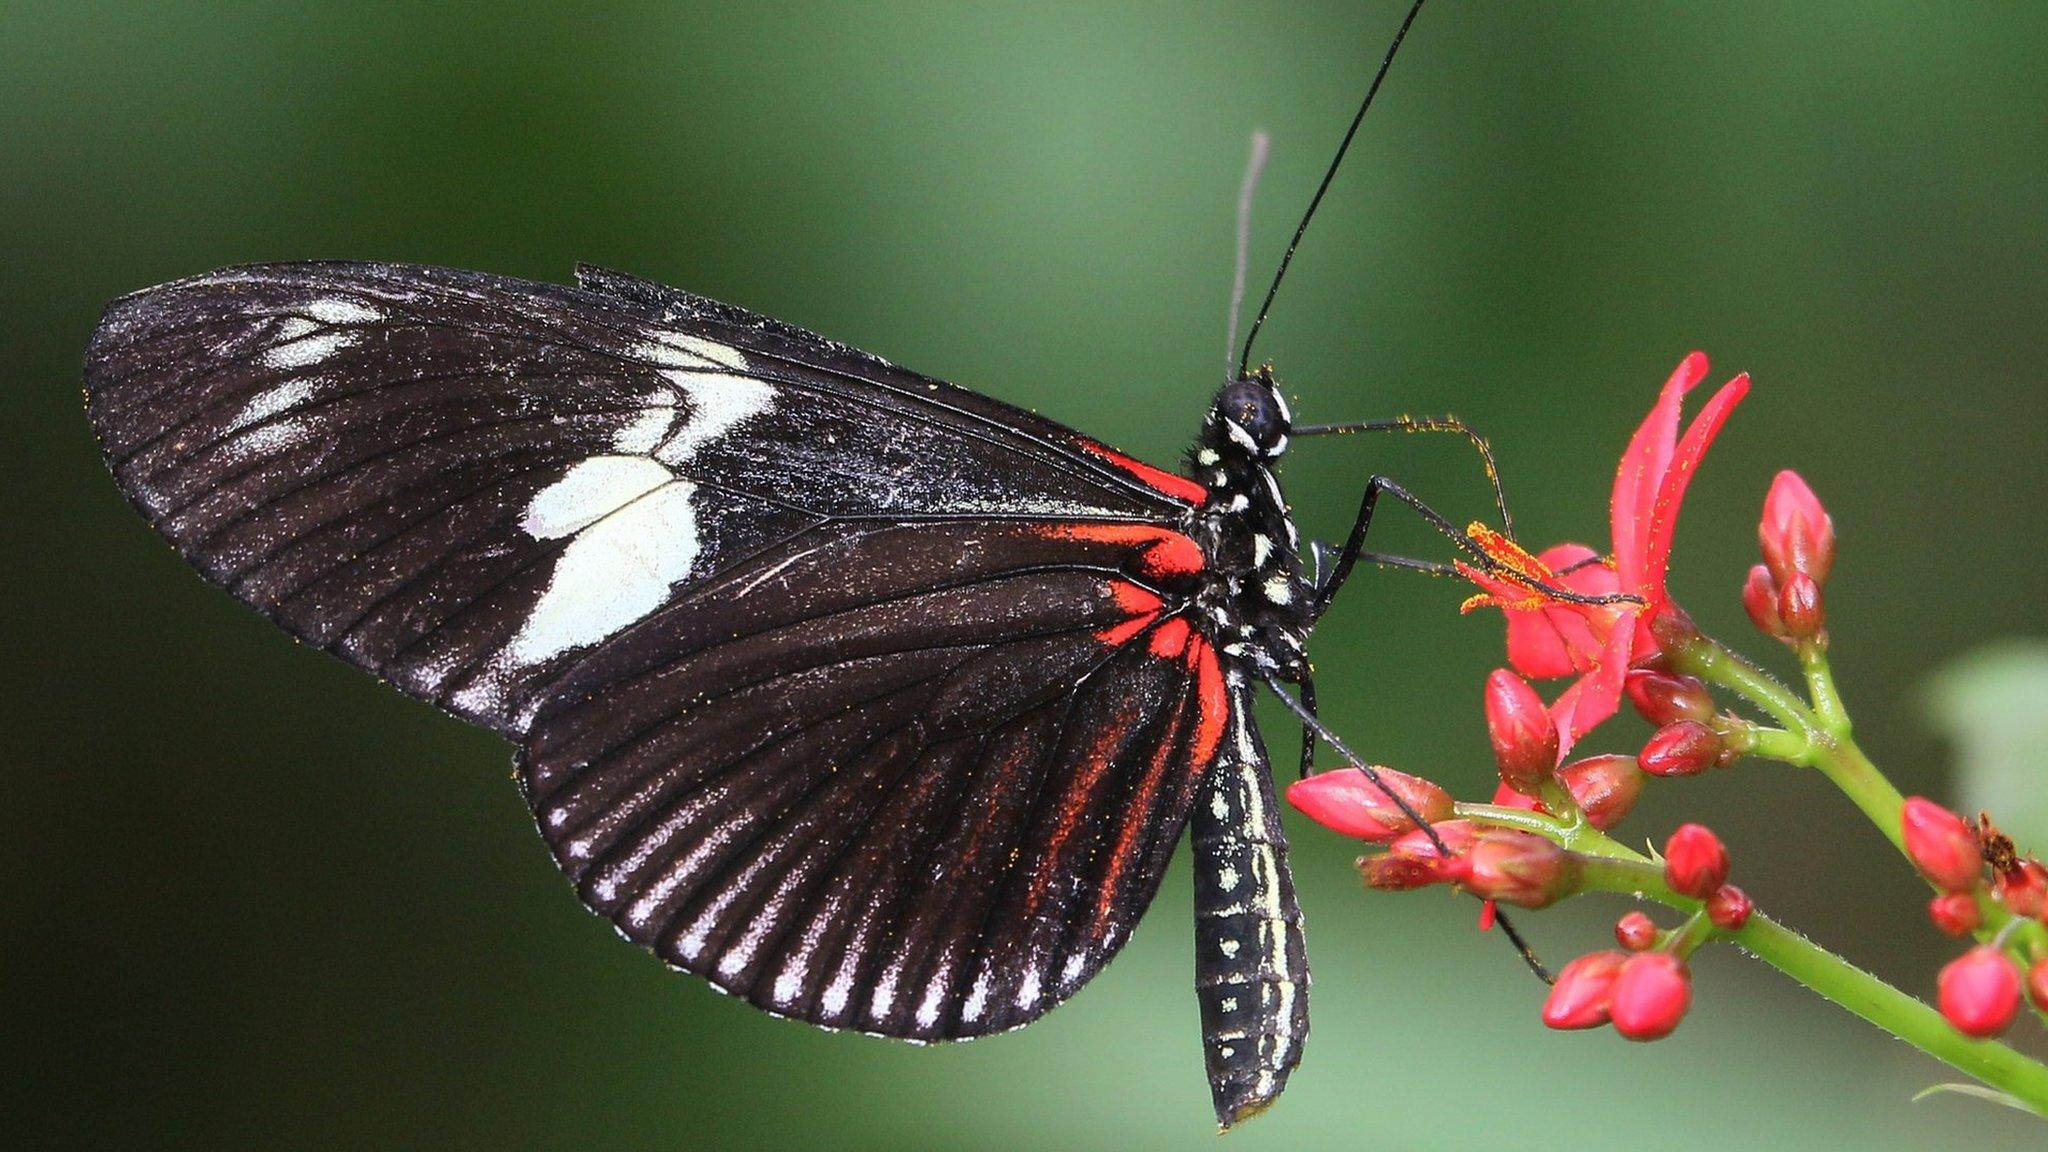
1639	481
1595	697
1563	639
1685	462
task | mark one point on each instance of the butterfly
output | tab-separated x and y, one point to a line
874	701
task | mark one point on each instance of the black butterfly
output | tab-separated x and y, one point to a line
875	701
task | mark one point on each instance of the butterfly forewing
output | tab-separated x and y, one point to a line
463	482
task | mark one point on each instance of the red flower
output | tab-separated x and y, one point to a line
1729	907
1695	862
1941	844
1955	913
1579	998
1636	932
1796	533
1524	740
1604	787
1548	637
1979	991
1650	995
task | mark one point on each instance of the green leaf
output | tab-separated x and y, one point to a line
1977	1090
1993	705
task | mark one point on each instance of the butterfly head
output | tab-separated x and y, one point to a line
1249	418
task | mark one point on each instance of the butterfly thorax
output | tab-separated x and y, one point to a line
1257	607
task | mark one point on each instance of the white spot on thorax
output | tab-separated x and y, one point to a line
1278	590
1262	550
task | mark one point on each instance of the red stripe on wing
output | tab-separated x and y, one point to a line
1140	606
1159	480
1162	552
1171	638
1213	700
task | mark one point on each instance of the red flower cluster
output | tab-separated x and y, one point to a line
1597	643
1645	989
1978	991
1610	648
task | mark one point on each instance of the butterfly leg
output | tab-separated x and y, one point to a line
1307	686
1446	424
1354	550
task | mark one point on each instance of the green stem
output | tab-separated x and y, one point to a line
1820	687
1828	745
1836	979
1894	1011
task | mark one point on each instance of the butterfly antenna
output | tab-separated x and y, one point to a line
1244	357
1436	840
1254	167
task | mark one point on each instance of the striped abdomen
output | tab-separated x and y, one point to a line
1251	972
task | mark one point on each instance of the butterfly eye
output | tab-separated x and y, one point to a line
1250	416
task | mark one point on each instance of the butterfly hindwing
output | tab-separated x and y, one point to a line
464	482
919	781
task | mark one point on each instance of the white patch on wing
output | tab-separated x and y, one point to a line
338	311
271	402
718	404
269	438
977	999
676	350
788	987
934	999
617	570
646	431
591	490
304	350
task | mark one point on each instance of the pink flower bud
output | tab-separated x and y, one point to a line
1955	913
1681	748
1604	787
1650	996
1635	932
1394	872
1695	863
1979	991
1520	868
1941	844
2037	984
1663	697
1760	600
1412	860
1728	907
1346	801
1457	835
1800	608
2023	889
1796	533
1524	739
1579	998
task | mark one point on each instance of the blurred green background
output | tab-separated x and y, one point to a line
256	899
